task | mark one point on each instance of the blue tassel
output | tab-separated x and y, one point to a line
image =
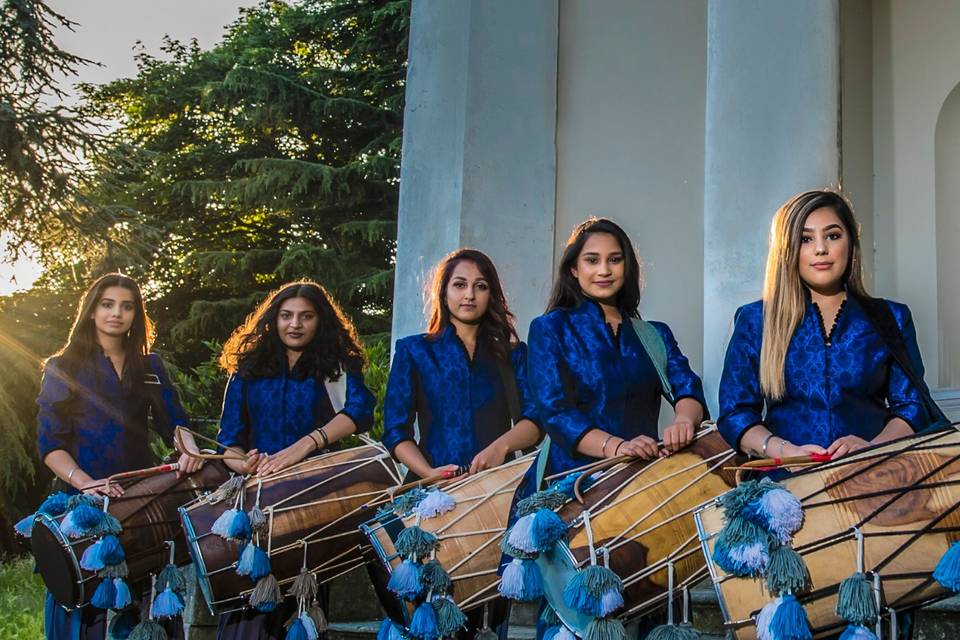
857	632
605	629
108	526
167	604
405	580
786	571
266	595
735	500
389	631
221	525
122	625
547	529
55	504
148	630
239	526
789	621
522	581
171	576
765	616
450	618
296	631
81	520
564	634
435	504
414	542
855	600
434	578
105	595
547	499
521	534
424	623
254	562
551	632
123	597
25	526
610	602
585	592
778	511
105	552
947	572
742	547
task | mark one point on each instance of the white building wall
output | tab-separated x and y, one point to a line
630	116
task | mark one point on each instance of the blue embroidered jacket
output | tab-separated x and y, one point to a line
845	383
100	422
460	405
271	413
583	377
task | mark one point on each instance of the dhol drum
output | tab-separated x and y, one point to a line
637	520
148	513
469	536
891	509
313	510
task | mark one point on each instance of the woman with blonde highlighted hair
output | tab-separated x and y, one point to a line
818	366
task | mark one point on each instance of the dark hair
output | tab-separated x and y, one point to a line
255	350
566	292
496	325
82	345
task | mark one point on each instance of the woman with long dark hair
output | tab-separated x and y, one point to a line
296	388
464	383
95	398
596	385
455	380
809	368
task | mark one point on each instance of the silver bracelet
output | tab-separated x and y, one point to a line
783	443
766	441
72	471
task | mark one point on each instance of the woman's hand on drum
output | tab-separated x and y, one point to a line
677	436
248	466
188	464
286	457
492	456
101	488
643	447
845	446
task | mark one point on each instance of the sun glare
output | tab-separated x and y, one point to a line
19	274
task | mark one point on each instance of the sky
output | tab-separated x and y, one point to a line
107	32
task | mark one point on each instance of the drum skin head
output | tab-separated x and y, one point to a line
56	564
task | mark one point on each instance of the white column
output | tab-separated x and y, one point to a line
479	159
771	131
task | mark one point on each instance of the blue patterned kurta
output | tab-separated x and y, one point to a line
270	414
846	383
104	428
460	405
583	377
100	424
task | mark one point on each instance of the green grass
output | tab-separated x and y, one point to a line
21	601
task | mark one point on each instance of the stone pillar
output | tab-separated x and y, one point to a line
479	160
771	131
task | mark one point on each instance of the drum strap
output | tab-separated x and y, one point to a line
509	380
881	318
653	344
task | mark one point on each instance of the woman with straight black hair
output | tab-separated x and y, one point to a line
95	398
596	387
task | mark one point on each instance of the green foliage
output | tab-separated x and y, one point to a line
41	173
273	156
21	601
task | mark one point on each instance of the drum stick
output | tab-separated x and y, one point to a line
233	455
765	464
136	473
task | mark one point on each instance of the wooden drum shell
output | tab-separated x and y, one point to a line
469	535
148	513
838	496
321	500
645	509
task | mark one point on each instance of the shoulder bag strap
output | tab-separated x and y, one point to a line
653	344
881	318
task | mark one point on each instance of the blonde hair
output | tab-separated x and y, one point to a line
784	293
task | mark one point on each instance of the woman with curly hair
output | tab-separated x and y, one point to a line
295	388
